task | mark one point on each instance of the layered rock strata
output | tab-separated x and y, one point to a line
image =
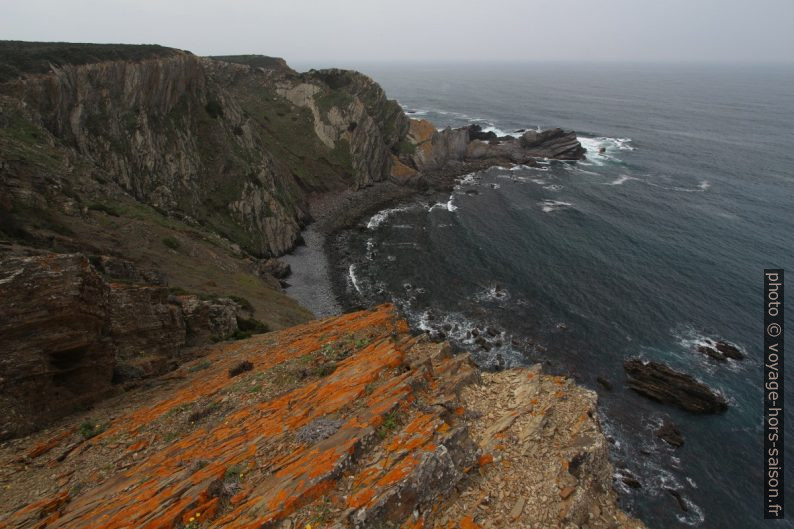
345	422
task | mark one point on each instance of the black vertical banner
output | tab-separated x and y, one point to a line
773	395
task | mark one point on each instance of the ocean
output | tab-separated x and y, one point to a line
645	249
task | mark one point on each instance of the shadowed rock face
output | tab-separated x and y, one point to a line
660	382
66	335
350	420
53	336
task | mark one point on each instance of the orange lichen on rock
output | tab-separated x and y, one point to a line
261	460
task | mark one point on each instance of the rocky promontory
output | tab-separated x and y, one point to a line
154	373
344	422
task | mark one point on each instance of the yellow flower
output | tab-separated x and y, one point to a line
192	519
198	514
308	526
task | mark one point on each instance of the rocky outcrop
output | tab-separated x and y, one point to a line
67	335
468	148
54	340
664	384
345	422
552	143
669	433
720	350
234	145
208	320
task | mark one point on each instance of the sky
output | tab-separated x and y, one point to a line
755	31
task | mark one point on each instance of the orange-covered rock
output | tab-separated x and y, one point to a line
343	422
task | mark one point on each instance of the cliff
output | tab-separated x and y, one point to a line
345	422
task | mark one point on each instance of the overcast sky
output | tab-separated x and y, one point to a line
426	30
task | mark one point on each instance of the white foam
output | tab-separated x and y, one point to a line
553	187
622	179
353	280
553	205
381	216
610	147
499	132
449	205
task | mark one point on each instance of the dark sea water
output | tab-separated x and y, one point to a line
645	250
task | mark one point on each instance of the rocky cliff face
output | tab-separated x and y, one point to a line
142	168
68	334
346	422
229	146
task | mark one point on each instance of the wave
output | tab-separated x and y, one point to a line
553	205
603	149
353	281
704	185
381	216
620	180
448	205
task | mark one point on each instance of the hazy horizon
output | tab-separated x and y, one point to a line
354	31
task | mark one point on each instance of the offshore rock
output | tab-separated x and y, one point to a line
664	384
469	148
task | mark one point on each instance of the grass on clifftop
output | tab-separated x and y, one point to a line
18	57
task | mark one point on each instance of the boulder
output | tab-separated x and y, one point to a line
661	383
208	320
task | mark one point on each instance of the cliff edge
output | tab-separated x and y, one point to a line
344	422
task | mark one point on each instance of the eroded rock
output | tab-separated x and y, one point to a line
664	384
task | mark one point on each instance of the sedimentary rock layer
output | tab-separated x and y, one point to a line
345	422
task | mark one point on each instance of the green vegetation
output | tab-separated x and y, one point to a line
256	61
204	364
247	328
89	430
244	303
389	424
113	211
18	58
332	98
407	148
172	243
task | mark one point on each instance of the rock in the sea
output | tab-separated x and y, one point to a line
721	351
664	384
476	133
729	350
669	433
605	383
554	143
679	499
711	352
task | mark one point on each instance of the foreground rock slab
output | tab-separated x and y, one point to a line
664	384
344	422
